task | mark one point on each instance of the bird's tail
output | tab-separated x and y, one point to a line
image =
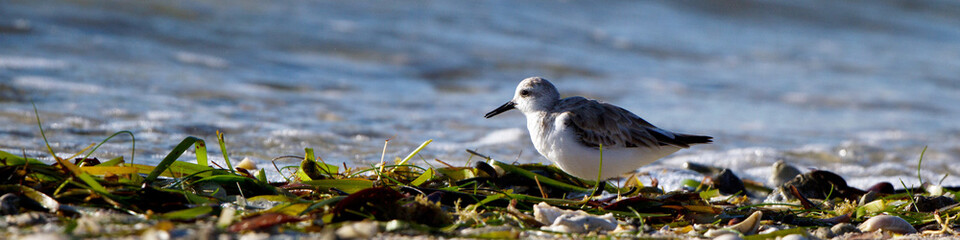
692	139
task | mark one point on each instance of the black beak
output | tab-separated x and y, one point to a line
505	107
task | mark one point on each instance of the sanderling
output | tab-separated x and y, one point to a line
570	132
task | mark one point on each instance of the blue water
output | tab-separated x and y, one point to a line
857	87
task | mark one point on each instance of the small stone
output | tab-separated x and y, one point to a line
358	230
730	236
867	197
794	237
883	187
844	228
396	225
155	234
30	218
728	183
717	233
45	236
255	236
782	172
9	204
824	232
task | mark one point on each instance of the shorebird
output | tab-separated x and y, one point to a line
570	132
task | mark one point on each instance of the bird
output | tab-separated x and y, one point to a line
570	132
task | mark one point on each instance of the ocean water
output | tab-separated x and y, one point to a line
854	87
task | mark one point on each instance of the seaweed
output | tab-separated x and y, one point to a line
488	199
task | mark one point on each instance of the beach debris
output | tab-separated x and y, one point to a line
750	225
820	184
782	172
493	232
379	202
570	221
845	218
806	203
887	223
704	169
720	178
929	204
262	221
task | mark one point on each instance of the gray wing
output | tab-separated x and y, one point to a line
602	123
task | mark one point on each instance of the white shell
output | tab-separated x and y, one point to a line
725	234
750	225
887	223
569	221
247	164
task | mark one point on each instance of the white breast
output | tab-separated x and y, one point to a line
561	145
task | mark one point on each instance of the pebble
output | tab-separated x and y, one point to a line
824	233
45	236
782	172
358	230
717	233
867	198
29	218
9	204
730	236
794	237
844	228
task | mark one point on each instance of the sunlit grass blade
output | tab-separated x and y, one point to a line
414	153
10	159
104	170
112	162
247	185
42	134
46	201
223	149
86	178
423	177
544	180
920	161
188	214
170	158
201	147
346	185
133	145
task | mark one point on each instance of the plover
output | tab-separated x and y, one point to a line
570	131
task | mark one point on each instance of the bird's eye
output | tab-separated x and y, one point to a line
524	93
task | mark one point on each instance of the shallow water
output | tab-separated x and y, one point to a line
856	87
